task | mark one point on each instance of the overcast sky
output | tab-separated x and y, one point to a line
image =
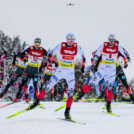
90	20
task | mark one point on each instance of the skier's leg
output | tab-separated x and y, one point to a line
24	80
95	78
109	84
115	89
18	73
53	80
123	79
71	84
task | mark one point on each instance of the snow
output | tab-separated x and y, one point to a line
45	121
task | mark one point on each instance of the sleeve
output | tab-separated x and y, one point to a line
99	50
82	55
122	52
56	49
23	53
44	52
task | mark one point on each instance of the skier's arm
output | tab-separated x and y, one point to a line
97	58
45	52
98	52
22	54
127	55
122	52
56	49
83	58
53	51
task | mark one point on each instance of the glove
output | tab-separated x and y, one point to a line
25	59
125	65
82	69
128	58
94	69
56	65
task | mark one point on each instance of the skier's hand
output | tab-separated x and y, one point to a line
25	59
94	69
125	64
128	58
56	65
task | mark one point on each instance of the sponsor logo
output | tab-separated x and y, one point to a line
55	78
111	50
36	53
65	61
98	73
109	59
69	52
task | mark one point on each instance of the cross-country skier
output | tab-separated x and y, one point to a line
68	50
18	73
109	52
2	58
35	58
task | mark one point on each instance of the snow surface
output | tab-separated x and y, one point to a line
44	121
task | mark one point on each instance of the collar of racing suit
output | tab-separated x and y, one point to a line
68	45
110	45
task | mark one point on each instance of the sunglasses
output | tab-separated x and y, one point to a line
37	44
112	40
71	40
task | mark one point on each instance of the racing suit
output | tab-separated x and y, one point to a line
65	69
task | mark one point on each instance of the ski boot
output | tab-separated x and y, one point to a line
33	105
67	114
108	107
78	96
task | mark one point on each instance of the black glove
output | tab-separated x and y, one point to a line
25	59
56	65
82	69
128	58
94	69
125	65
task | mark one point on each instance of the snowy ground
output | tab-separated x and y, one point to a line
44	121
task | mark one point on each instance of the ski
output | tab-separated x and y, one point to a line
92	99
73	121
111	113
20	112
8	104
60	108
